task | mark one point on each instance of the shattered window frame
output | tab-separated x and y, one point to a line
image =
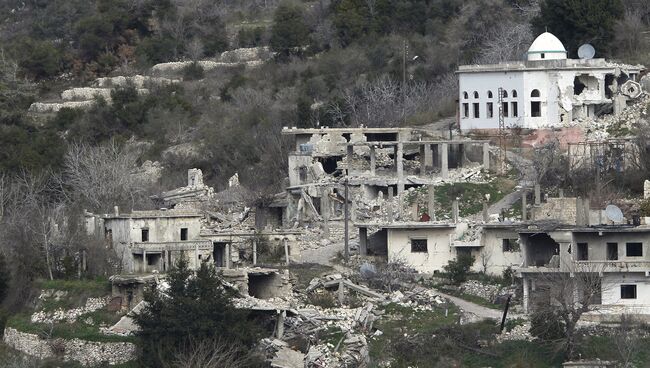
510	245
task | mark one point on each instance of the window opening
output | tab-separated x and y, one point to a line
419	246
475	94
510	245
490	110
515	113
145	235
612	251
534	93
476	111
628	291
465	110
634	249
583	251
184	233
535	109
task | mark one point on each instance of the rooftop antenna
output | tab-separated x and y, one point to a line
614	213
586	52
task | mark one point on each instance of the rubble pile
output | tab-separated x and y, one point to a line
612	125
485	291
518	333
70	315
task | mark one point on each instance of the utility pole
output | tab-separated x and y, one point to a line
346	214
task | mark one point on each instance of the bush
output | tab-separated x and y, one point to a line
193	71
546	326
458	269
250	37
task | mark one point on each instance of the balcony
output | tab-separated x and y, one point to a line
158	247
613	266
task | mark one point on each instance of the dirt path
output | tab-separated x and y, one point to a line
473	312
526	180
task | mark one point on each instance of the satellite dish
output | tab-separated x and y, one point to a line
586	52
614	213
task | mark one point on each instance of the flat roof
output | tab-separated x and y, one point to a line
407	225
154	214
541	65
294	130
394	143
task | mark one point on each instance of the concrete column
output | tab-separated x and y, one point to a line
144	261
444	160
454	211
428	155
423	161
561	193
228	255
373	160
341	292
350	152
526	295
431	203
486	156
285	242
363	241
279	327
164	260
400	168
196	255
586	210
325	210
538	195
389	204
579	218
461	154
254	251
524	194
486	217
414	211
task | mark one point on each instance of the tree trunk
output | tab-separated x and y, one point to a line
47	257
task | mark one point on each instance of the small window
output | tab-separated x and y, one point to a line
612	251
465	110
184	233
490	109
628	291
504	107
419	246
490	94
476	111
543	55
583	251
514	93
145	235
504	93
475	94
634	249
534	93
465	95
510	245
515	113
535	109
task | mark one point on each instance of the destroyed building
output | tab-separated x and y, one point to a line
618	254
203	226
376	162
547	90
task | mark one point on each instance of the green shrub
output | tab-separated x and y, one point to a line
458	269
546	326
193	71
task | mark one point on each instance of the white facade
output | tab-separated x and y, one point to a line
544	91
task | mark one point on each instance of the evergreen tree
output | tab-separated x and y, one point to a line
195	307
4	278
289	29
576	22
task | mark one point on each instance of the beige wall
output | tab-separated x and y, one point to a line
497	260
611	289
438	245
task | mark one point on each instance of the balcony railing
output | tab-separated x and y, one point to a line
615	266
171	246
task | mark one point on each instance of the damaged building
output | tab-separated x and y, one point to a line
376	162
203	226
547	90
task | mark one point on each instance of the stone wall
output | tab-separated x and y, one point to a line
561	209
88	353
489	292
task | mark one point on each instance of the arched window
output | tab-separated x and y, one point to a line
465	96
535	106
514	93
504	93
489	94
475	94
534	93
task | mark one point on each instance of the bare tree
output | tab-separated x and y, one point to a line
626	339
568	295
485	258
210	354
101	176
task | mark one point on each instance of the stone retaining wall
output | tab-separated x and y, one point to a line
88	353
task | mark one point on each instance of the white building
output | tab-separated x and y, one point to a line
544	91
